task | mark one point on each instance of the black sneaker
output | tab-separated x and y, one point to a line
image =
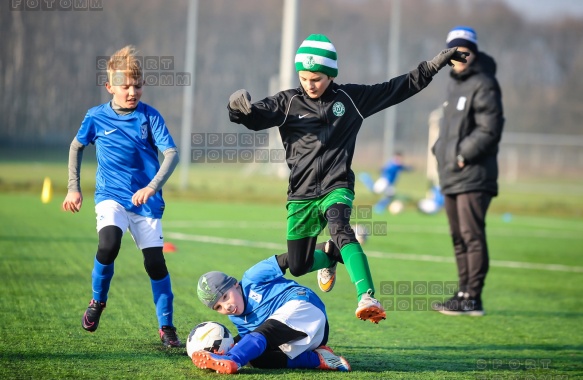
168	336
462	304
451	303
92	314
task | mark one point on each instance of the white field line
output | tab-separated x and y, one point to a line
227	241
381	255
493	263
223	224
526	232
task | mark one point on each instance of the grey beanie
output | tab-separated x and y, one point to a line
212	286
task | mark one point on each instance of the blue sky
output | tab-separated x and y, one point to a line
546	9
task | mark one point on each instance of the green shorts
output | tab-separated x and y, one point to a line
306	218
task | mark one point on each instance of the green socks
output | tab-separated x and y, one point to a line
321	260
357	267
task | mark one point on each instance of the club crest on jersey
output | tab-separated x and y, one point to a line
338	109
144	130
309	62
255	296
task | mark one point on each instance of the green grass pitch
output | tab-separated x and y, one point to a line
532	328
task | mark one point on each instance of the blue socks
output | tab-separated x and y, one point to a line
163	297
100	280
161	289
254	344
250	347
307	359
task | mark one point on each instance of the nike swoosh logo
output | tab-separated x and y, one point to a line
86	322
302	116
108	132
357	282
165	314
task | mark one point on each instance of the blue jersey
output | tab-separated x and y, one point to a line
265	290
127	154
391	171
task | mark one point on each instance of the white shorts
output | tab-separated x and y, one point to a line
382	186
146	232
305	317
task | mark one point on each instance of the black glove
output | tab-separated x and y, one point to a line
240	100
445	57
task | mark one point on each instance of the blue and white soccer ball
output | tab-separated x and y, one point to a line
209	336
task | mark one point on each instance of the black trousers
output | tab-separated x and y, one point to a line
466	214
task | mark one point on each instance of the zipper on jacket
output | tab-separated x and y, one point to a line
319	168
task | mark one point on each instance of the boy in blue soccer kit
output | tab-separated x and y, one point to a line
281	324
385	184
127	135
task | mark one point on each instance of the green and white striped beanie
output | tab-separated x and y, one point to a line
317	54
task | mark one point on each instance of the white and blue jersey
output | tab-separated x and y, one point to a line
265	290
127	154
391	171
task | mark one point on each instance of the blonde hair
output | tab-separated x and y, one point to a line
125	61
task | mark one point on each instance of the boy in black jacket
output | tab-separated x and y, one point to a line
318	123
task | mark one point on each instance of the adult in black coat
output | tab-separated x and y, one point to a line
466	153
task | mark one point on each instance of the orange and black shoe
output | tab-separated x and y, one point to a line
370	309
218	363
90	320
327	278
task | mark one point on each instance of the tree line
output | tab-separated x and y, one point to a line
50	61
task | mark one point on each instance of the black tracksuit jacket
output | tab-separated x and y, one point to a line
471	127
319	135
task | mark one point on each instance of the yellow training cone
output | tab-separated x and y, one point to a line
47	192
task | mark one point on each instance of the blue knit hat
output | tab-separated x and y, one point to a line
463	36
317	54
